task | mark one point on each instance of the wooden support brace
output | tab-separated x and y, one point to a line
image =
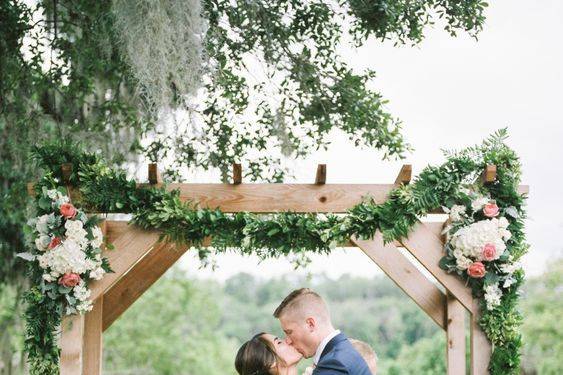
407	277
405	175
130	247
66	170
154	174
135	282
237	174
427	248
455	336
320	178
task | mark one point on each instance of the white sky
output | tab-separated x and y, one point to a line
451	93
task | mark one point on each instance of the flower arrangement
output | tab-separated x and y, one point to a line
66	245
476	245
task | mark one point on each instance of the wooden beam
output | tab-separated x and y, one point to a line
237	174
135	282
268	198
154	174
92	363
320	178
427	248
130	247
481	349
407	277
405	175
455	336
66	171
71	344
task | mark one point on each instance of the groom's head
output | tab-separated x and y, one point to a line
305	319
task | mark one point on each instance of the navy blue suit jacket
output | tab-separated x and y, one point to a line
339	357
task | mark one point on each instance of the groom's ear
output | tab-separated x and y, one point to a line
311	323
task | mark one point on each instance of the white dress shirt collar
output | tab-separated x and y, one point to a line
322	346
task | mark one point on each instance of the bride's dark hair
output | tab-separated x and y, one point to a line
256	357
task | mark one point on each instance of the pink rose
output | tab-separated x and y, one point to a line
68	210
489	252
56	241
476	270
491	209
69	280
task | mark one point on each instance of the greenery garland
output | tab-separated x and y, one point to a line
104	189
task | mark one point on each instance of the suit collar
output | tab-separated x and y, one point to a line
332	343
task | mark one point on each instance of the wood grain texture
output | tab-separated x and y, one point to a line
405	175
455	336
71	345
130	247
92	362
427	248
407	277
481	349
138	280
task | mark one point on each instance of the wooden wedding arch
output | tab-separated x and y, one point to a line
139	260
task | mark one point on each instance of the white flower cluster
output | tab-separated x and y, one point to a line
493	295
67	254
481	241
468	242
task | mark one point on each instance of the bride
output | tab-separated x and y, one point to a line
265	354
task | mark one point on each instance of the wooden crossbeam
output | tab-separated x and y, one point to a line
130	247
135	282
405	175
407	277
455	336
320	178
427	248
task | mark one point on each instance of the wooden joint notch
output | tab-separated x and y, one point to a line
320	179
237	174
154	174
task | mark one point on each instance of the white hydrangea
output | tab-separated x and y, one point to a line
508	282
57	197
463	263
456	212
81	292
42	242
479	202
471	239
42	223
84	306
493	295
65	259
510	268
75	231
98	239
97	273
48	278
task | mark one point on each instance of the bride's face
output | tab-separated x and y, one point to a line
286	352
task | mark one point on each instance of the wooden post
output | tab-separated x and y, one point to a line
72	344
92	362
404	176
237	174
480	346
154	174
455	336
320	178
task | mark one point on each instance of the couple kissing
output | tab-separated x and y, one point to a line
309	333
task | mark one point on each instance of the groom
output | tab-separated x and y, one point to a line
305	319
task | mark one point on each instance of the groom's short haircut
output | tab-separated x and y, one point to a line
303	301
